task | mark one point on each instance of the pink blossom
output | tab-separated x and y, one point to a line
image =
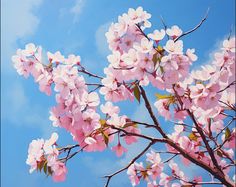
72	60
157	35
191	55
29	50
145	46
119	149
139	16
131	139
117	121
109	109
56	57
229	44
164	179
174	31
153	157
90	140
174	47
163	108
59	172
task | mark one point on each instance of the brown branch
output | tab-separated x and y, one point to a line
144	124
232	83
137	135
200	131
230	32
149	108
83	70
229	123
142	32
172	157
65	159
195	28
127	166
164	24
210	151
94	84
228	105
200	163
196	183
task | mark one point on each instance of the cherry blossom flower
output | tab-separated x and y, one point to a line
59	172
174	31
191	55
139	16
229	45
174	47
109	109
56	57
145	46
157	35
119	149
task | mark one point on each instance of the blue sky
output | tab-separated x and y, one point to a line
78	26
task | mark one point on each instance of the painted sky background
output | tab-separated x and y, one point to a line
78	26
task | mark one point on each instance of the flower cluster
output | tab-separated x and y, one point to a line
200	102
43	154
149	173
138	58
154	171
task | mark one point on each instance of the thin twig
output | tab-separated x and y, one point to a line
195	28
230	32
83	70
232	83
127	166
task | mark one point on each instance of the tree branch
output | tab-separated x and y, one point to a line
149	108
195	28
127	166
83	70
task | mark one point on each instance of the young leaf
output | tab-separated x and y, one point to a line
50	171
45	167
102	122
219	153
192	136
106	138
227	133
164	96
137	93
40	165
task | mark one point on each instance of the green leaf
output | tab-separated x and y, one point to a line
50	171
40	165
102	122
219	153
137	93
105	137
227	133
192	136
155	58
45	168
164	96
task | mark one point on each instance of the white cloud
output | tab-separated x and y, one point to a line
77	9
18	21
19	110
211	53
100	38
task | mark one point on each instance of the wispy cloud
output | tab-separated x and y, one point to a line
100	38
18	21
19	110
211	53
77	9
